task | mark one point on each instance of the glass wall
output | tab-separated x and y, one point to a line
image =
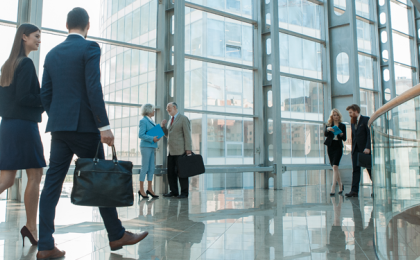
302	100
213	90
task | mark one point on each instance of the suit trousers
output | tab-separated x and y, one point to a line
173	177
63	146
356	173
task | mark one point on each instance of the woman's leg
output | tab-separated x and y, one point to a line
340	184
144	169
334	180
32	198
151	171
7	178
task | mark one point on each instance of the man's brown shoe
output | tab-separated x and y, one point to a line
128	239
50	254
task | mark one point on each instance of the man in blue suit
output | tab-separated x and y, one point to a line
72	96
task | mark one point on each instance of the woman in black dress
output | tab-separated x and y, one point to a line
335	147
21	109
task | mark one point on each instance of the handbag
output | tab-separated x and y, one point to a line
189	166
102	183
364	160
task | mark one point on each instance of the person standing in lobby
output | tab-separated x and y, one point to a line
179	142
335	147
21	110
360	138
148	147
72	96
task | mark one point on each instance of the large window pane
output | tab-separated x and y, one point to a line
239	7
362	8
399	17
403	79
216	37
300	57
301	16
363	36
301	99
367	102
307	143
214	87
222	140
401	46
128	21
9	10
365	72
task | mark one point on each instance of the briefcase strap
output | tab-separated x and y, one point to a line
114	154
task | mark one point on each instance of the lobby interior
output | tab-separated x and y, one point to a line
258	80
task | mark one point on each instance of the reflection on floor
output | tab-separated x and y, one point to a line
294	223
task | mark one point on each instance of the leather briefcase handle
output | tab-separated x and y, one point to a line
114	154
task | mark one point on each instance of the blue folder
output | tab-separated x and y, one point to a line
156	131
337	130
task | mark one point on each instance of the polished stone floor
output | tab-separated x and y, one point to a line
293	223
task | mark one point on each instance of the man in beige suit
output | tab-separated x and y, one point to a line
178	132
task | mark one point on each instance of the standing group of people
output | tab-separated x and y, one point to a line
361	143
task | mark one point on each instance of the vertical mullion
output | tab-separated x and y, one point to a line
275	81
179	45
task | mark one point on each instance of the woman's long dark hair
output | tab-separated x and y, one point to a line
16	55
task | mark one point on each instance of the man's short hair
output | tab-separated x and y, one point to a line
77	18
353	107
175	105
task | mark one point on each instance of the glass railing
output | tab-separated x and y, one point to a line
395	132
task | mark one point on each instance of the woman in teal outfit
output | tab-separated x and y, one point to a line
148	147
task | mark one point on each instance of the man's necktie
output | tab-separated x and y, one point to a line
172	121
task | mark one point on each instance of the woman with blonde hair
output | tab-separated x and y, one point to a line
334	143
21	109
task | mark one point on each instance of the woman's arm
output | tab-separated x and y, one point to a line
142	132
343	136
26	75
327	133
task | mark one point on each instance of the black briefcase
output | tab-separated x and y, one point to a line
364	160
103	183
189	166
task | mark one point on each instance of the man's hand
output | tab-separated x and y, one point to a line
107	137
163	123
366	151
188	152
155	139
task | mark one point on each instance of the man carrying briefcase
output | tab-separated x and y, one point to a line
178	132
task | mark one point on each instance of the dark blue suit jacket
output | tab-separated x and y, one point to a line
71	90
361	136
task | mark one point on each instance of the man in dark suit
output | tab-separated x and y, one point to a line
360	137
72	96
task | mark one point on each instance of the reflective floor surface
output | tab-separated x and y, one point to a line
293	223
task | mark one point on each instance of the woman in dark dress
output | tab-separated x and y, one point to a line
21	109
335	147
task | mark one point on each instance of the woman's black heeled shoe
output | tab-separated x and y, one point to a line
146	197
341	192
26	233
332	194
153	196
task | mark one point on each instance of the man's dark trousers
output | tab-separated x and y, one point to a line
63	146
356	172
173	177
